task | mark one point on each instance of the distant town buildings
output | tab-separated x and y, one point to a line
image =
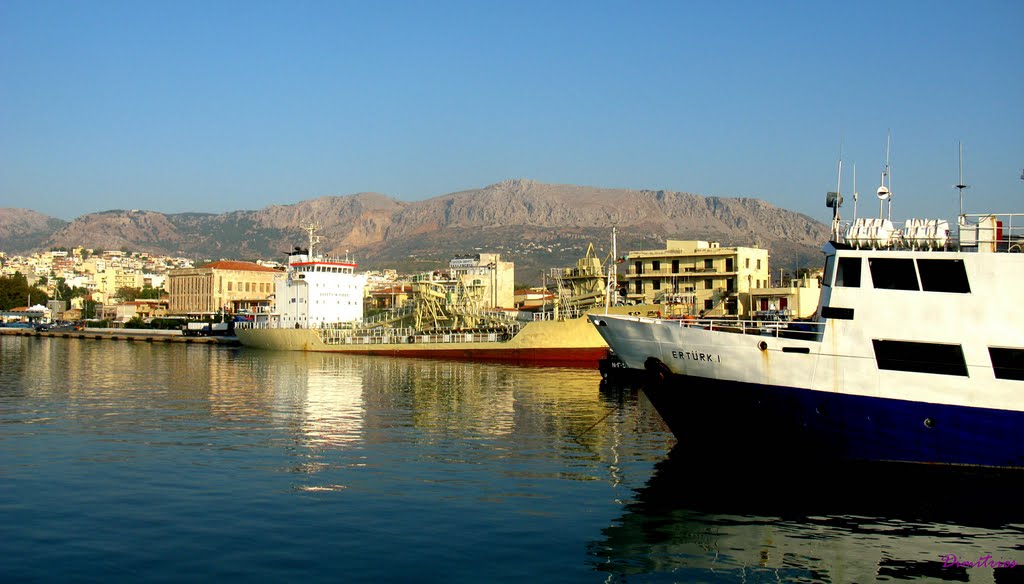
697	277
103	275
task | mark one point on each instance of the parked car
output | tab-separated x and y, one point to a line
64	327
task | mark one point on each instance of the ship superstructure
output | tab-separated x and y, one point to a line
317	290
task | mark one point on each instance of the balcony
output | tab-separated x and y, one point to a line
688	272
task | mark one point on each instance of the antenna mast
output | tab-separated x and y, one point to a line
839	195
834	200
960	186
854	191
883	191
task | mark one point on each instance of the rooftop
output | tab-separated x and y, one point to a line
242	266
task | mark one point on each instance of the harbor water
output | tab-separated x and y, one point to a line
140	462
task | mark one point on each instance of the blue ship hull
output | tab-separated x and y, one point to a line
723	418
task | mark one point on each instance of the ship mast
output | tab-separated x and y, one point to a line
314	239
855	191
883	191
833	200
612	274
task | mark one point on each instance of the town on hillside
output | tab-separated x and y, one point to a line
84	287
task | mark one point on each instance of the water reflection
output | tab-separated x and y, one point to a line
211	463
313	404
699	520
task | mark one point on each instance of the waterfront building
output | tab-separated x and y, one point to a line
112	279
534	298
798	300
485	275
144	309
391	295
697	277
224	287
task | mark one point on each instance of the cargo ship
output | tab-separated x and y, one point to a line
319	308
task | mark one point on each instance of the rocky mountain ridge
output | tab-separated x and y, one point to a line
537	225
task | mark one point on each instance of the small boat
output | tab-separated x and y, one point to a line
915	354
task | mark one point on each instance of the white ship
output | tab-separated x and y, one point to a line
916	353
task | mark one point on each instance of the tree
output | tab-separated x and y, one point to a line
15	292
128	293
89	309
136	323
150	293
63	291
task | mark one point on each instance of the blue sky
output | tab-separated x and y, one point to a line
215	106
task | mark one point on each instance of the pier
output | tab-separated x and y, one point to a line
131	335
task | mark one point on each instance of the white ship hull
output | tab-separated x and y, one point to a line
882	374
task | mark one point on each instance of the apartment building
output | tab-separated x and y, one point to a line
488	276
697	277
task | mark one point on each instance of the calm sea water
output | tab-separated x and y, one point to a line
147	462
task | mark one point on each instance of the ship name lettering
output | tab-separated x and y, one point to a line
697	356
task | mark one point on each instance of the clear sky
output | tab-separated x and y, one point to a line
221	105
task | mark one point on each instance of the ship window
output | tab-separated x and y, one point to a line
656	265
848	272
944	276
708	264
1007	363
934	358
829	263
893	273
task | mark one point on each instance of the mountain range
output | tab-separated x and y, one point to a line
536	225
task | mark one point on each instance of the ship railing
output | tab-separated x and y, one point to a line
974	232
412	337
569	312
390	315
804	330
991	232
